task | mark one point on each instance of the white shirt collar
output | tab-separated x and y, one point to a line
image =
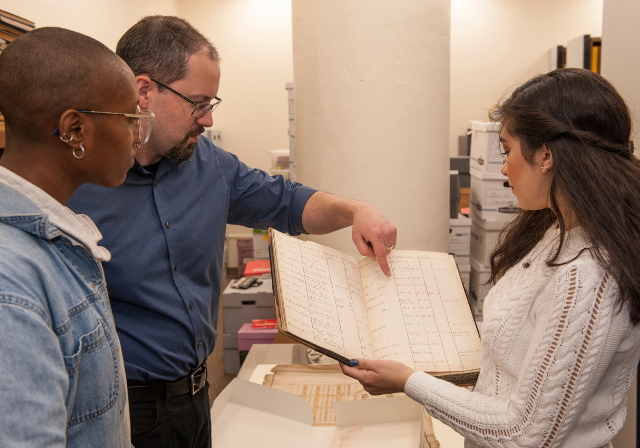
80	228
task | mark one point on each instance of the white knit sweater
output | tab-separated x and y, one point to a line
558	357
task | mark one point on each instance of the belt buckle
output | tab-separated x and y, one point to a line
195	388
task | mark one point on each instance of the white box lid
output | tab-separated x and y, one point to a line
484	175
487	224
475	264
265	287
460	221
485	126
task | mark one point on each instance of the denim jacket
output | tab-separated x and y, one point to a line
62	380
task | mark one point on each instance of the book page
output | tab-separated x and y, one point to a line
420	316
322	296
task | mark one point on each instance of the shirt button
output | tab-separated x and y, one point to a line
191	305
199	344
175	267
168	225
155	184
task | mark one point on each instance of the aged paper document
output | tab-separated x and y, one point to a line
347	309
322	385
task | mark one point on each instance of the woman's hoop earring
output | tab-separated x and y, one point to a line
78	156
66	141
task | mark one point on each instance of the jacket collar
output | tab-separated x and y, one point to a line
27	207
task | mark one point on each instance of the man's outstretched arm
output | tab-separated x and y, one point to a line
372	233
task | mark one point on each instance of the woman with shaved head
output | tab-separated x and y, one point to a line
72	117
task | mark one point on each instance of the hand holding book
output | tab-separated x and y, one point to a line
348	309
379	377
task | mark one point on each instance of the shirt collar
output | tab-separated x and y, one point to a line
80	228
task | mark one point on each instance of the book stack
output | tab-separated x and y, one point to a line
11	26
491	205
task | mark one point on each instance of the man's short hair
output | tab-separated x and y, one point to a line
50	70
160	46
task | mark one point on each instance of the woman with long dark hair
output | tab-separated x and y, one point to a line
560	340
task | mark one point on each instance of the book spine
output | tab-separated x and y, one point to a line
16	23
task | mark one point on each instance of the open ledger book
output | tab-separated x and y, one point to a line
347	309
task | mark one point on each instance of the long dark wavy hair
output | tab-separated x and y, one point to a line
587	126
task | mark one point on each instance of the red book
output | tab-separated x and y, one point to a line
261	324
257	268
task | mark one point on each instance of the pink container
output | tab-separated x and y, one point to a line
247	336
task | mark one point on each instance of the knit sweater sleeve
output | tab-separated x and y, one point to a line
574	325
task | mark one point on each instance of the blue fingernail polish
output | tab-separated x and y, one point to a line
353	363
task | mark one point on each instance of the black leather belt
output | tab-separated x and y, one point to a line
190	384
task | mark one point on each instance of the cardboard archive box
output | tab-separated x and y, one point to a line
478	290
491	196
249	415
486	147
241	306
484	238
459	239
465	274
247	336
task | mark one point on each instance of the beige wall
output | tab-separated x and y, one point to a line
104	20
496	45
254	41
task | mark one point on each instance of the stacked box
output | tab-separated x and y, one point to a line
260	244
485	146
491	196
491	203
460	240
484	238
478	289
465	274
241	306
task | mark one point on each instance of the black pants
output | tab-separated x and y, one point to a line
180	422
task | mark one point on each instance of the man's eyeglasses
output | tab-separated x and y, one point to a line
199	109
142	122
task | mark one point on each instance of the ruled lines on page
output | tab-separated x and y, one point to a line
420	316
322	296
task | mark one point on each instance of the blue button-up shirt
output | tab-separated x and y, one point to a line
166	237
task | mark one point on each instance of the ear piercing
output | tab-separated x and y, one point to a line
66	141
78	155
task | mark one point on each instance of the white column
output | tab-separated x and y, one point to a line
372	110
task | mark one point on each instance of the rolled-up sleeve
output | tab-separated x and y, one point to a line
260	201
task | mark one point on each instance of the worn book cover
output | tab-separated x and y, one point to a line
347	308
